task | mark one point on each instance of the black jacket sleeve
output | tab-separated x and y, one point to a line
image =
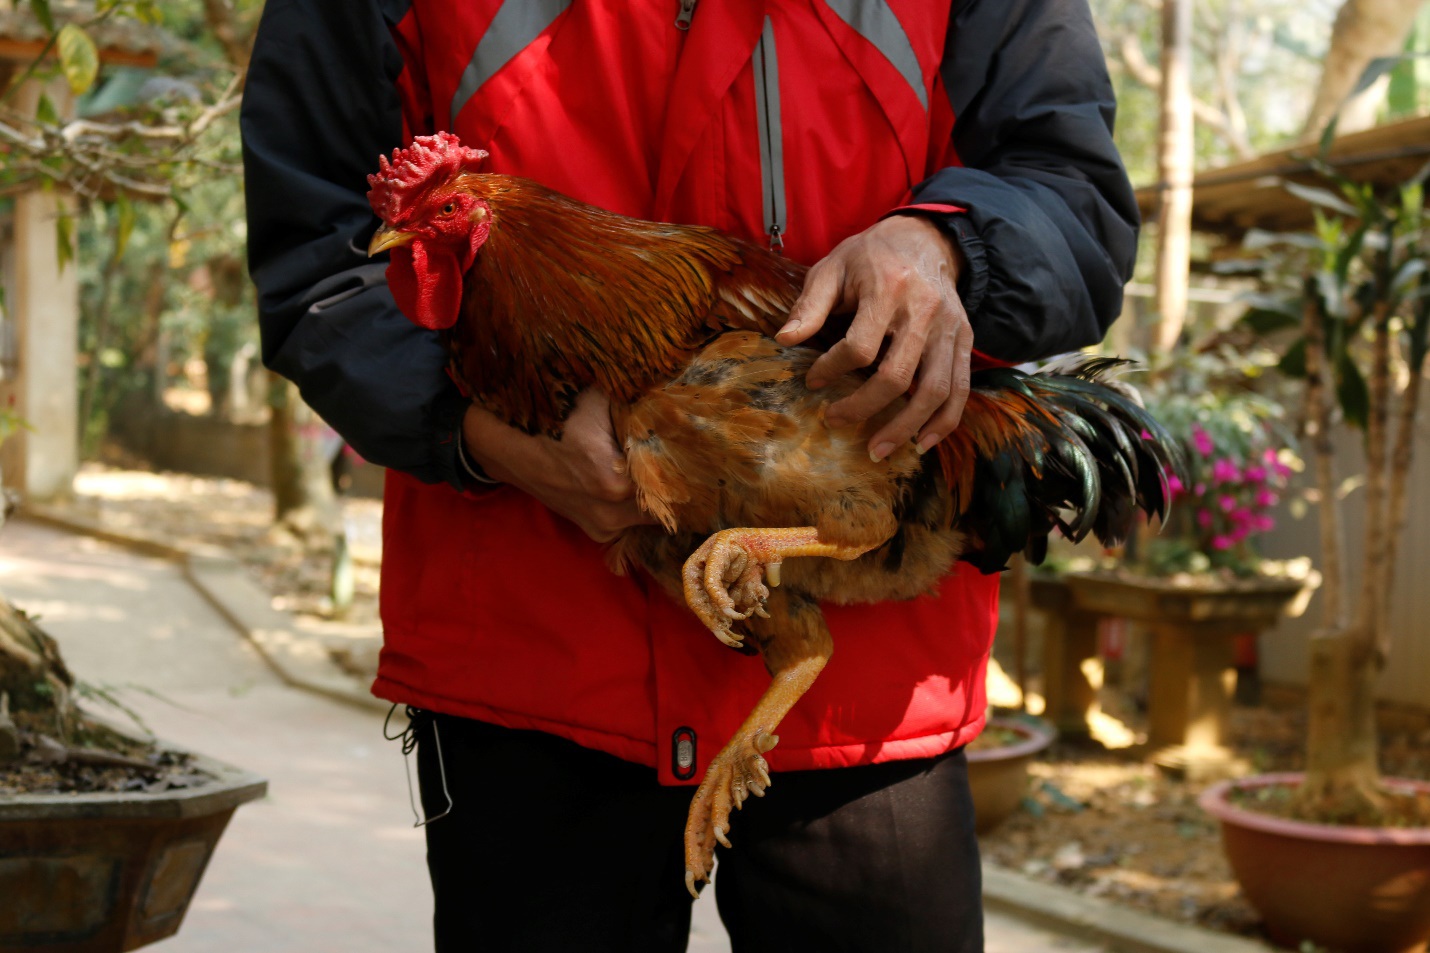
319	106
1050	231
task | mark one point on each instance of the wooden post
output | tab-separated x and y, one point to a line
1175	159
1192	682
1069	639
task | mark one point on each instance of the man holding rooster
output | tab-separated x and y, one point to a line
947	169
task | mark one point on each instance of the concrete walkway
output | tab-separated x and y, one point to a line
329	860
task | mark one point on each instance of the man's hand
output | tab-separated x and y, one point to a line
899	277
581	476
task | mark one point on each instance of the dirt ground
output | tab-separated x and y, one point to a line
1109	825
188	510
1101	822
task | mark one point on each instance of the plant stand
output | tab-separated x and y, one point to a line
1192	663
1069	639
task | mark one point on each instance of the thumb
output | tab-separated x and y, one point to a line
807	315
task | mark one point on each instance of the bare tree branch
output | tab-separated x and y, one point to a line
1135	60
221	20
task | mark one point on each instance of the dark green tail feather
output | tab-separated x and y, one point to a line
1089	473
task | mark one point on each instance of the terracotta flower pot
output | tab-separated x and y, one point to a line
999	776
1350	889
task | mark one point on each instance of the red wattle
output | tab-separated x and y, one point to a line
426	281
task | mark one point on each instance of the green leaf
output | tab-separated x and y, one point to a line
1412	205
1410	270
1322	197
78	57
1328	137
1418	327
1378	67
1293	362
45	112
41	9
64	239
1332	291
1403	96
1352	392
1347	253
1256	239
1267	320
124	226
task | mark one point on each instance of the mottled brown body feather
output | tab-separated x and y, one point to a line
737	439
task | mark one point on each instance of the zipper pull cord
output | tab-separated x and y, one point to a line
686	14
777	242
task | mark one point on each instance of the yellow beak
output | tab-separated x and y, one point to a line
385	238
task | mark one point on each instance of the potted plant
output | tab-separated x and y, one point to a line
1239	459
998	762
1338	855
103	835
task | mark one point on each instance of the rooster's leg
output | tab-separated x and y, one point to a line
725	579
795	643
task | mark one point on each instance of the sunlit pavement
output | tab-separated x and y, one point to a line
329	861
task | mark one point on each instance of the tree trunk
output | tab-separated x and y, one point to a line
1363	31
1369	623
1342	776
1323	458
33	676
1175	158
1399	503
303	497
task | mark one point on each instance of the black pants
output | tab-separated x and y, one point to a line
549	846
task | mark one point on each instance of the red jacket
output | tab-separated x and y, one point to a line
798	123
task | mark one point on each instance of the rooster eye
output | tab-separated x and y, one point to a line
449	208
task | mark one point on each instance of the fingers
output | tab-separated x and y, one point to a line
891	380
823	290
947	417
860	345
935	384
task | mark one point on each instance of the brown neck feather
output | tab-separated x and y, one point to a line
564	296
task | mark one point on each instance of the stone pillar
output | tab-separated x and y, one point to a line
43	301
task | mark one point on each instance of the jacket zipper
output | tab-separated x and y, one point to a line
686	14
772	160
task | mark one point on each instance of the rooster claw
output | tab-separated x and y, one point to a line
736	773
724	583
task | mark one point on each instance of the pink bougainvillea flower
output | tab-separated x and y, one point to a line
1200	489
1240	533
1204	518
1224	471
1174	485
1222	542
1255	474
1262	523
1202	441
1241	516
1265	497
1227	503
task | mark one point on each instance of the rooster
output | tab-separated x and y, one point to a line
540	297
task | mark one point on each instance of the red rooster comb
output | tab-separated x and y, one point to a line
428	159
